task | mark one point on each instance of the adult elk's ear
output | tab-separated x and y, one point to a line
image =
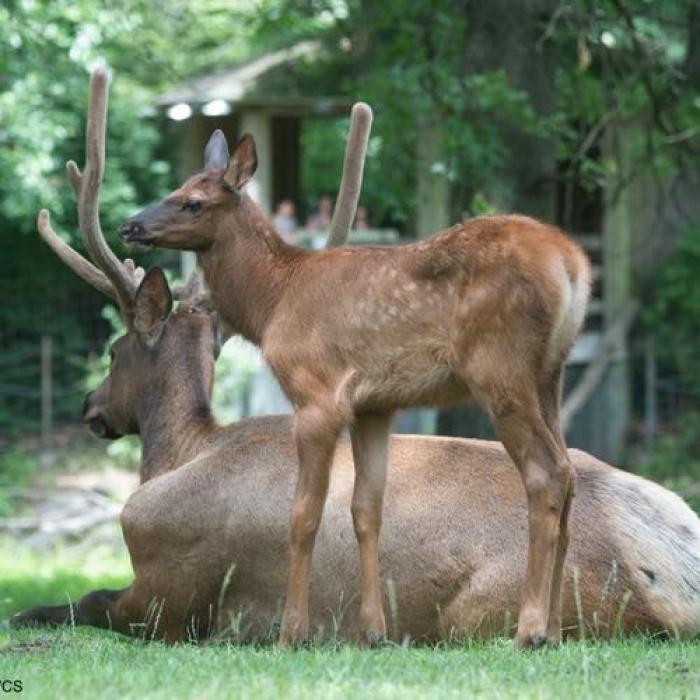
216	152
152	306
242	164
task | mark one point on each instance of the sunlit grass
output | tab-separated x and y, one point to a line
88	663
54	577
85	663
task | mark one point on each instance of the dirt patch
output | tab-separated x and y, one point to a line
30	646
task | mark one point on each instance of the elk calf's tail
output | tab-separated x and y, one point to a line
574	277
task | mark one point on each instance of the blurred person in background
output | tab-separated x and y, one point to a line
321	219
285	220
361	222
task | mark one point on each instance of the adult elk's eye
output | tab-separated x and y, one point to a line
192	205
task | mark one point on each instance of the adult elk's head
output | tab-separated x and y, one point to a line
164	363
166	358
190	217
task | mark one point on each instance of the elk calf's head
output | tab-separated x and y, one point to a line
189	218
163	352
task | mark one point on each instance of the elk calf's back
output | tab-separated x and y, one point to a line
494	300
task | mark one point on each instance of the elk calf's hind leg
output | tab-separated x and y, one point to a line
554	634
370	438
545	471
550	402
316	434
547	481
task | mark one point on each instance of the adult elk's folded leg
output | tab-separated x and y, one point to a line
370	438
93	609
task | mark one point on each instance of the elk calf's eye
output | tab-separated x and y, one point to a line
192	205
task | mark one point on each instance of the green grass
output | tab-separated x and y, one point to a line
88	664
54	577
83	663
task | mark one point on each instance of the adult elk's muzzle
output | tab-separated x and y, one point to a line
96	421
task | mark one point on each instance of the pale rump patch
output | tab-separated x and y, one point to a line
572	309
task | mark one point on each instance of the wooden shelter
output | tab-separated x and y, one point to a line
267	96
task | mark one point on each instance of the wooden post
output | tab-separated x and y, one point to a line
46	389
259	124
618	144
650	400
433	213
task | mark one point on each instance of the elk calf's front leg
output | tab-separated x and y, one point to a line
316	433
370	438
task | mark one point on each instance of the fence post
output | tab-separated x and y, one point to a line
46	390
651	413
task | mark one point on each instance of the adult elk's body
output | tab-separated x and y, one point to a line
486	310
205	536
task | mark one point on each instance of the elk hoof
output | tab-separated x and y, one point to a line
531	642
293	642
373	639
294	635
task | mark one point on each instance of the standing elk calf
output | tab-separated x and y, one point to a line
211	496
486	310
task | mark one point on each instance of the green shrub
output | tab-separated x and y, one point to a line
673	316
17	467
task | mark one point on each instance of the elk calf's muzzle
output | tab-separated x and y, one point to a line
133	231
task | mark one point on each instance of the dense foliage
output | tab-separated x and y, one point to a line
46	51
674	311
508	84
673	319
519	95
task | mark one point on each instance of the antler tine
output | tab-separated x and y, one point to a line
193	291
82	267
134	271
351	181
87	188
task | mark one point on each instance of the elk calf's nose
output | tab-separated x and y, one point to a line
130	227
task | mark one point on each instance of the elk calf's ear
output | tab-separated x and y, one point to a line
216	152
242	164
152	306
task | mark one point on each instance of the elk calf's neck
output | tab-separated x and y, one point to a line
486	310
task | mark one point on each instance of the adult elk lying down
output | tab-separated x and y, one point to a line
208	544
486	310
